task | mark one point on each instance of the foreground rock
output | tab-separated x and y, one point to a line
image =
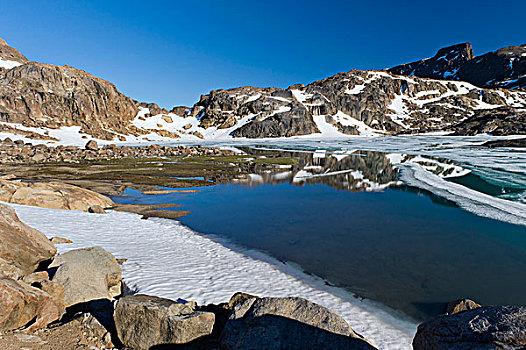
288	323
489	327
52	195
88	274
22	305
22	248
144	321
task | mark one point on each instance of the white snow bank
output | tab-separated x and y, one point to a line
169	260
8	64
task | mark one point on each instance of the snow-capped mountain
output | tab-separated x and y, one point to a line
60	104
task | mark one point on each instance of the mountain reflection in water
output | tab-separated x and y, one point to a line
354	172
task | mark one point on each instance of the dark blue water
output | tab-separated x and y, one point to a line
401	247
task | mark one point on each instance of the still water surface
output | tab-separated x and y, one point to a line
400	246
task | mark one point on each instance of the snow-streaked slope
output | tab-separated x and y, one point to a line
168	259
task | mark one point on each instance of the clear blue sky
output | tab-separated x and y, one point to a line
170	52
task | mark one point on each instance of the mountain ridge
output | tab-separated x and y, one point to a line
42	101
502	68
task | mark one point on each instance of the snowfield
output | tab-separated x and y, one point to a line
169	260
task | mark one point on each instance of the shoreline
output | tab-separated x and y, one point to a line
226	272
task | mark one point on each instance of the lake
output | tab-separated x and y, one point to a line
350	220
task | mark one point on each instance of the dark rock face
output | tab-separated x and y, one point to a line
504	68
497	122
444	65
295	122
490	327
43	95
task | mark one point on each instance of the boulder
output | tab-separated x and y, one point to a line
488	327
92	145
222	311
288	323
22	247
87	274
167	118
21	304
456	306
60	240
144	321
96	209
53	195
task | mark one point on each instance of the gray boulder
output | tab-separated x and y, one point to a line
288	323
484	328
144	321
87	274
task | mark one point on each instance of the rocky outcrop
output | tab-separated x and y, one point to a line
288	323
504	68
42	95
489	327
22	305
295	122
144	321
52	195
87	274
22	248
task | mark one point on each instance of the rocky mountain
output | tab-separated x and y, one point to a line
359	103
504	68
51	103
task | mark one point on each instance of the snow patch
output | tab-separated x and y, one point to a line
8	64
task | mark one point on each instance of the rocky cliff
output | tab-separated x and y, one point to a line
504	68
41	95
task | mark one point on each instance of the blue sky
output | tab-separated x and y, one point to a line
171	52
